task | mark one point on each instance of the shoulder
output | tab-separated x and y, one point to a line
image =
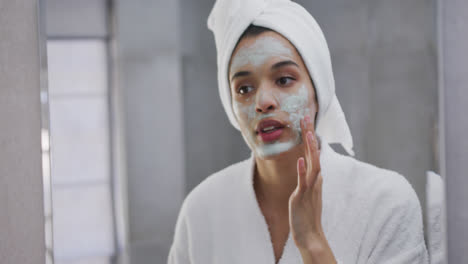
390	212
214	189
389	209
389	202
380	186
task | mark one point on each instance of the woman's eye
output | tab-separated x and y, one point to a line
244	89
284	81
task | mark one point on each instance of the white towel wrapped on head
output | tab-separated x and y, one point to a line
229	19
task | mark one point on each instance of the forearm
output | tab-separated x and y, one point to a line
318	257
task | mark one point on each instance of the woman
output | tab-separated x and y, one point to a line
294	200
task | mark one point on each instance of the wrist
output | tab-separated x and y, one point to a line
317	250
312	242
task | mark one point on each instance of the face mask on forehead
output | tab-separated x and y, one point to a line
294	104
229	19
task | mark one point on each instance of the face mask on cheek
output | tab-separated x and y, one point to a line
294	104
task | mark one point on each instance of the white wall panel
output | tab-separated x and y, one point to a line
79	129
77	67
82	222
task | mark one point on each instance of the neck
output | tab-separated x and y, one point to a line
275	179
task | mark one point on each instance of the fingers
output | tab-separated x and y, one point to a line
315	155
313	171
318	192
301	174
309	125
312	155
319	184
304	132
305	140
302	178
314	147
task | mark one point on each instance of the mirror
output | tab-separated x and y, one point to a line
136	122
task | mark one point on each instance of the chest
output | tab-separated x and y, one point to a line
278	228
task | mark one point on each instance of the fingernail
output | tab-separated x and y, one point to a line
309	136
307	119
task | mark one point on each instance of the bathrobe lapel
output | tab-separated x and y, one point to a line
369	215
258	243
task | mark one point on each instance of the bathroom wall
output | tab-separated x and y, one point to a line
148	38
22	238
453	76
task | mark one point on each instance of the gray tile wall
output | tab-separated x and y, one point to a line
84	18
151	91
22	238
453	37
212	143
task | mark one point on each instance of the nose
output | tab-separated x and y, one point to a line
265	101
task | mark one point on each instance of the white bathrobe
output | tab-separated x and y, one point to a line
369	215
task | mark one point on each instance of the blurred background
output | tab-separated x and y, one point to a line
136	121
131	119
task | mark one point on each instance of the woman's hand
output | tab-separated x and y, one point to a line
305	203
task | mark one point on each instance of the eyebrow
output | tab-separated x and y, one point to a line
274	67
284	63
240	74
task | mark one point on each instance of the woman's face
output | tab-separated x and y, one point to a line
271	92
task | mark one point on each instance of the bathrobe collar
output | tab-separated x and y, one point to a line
327	156
290	251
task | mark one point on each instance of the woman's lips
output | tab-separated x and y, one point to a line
269	130
271	135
